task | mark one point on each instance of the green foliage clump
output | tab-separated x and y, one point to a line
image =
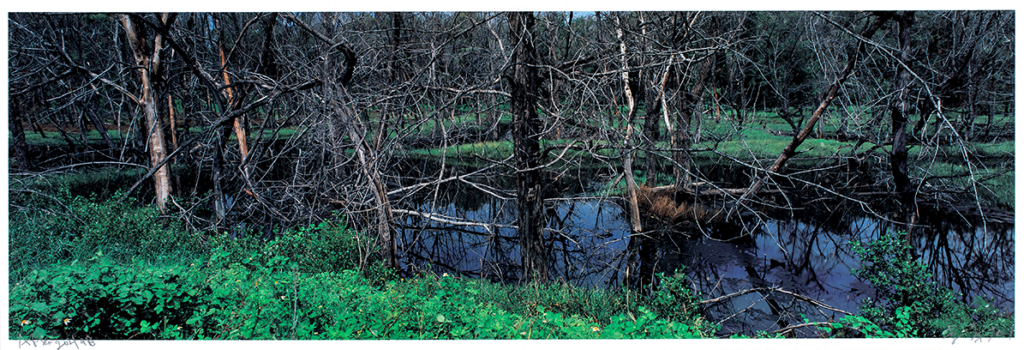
909	304
103	299
326	246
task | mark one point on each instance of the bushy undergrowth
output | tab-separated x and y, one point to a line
909	304
223	298
234	297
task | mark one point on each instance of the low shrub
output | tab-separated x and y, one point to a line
909	304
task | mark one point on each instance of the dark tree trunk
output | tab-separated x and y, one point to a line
898	110
652	133
218	174
790	149
525	129
18	138
99	126
268	59
652	130
690	101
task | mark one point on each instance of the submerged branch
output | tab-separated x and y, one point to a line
772	290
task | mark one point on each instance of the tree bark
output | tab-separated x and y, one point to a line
683	138
526	140
627	163
18	137
148	63
899	109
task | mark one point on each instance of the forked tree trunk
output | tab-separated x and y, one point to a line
147	62
526	139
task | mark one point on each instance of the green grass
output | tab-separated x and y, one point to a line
53	138
94	138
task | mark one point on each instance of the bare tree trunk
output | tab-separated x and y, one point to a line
218	174
98	123
898	110
526	139
627	163
174	125
684	139
652	109
18	137
231	98
346	117
148	63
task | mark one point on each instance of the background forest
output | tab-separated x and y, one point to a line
473	175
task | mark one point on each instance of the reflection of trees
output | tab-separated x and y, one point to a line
581	239
808	255
968	255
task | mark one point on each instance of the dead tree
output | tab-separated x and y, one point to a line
147	61
526	139
345	122
799	138
627	163
899	109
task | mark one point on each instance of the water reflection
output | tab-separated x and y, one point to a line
806	254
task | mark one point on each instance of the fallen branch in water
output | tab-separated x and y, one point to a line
790	328
772	290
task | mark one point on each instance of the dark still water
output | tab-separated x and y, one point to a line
805	252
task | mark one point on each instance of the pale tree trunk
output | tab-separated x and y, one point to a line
148	62
526	126
174	125
627	163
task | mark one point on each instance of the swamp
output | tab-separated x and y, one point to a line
511	175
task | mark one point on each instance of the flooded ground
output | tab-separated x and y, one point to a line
805	252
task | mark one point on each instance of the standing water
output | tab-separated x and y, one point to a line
807	254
